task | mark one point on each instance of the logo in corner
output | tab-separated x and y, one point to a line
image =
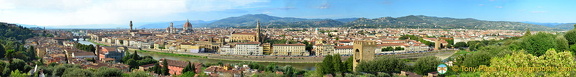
442	68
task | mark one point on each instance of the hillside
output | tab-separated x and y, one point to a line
412	21
565	26
13	31
177	24
441	22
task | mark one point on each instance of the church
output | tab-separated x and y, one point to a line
186	28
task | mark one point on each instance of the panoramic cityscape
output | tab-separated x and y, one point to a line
287	38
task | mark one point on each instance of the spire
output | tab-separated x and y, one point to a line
130	25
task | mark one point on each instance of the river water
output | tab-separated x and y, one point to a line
305	66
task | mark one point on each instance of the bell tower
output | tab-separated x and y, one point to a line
363	51
258	35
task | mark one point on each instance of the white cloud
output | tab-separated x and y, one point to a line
85	12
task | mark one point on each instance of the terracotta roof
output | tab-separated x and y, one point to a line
245	33
83	54
344	47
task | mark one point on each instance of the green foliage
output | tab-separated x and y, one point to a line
17	73
477	59
387	64
13	31
271	67
460	44
156	69
571	36
108	72
426	64
328	65
2	50
561	43
132	63
189	68
348	64
538	44
164	69
138	74
338	66
520	60
77	72
573	49
88	48
186	74
527	33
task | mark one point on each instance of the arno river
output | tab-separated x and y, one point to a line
306	66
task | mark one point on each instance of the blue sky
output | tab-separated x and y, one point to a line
59	13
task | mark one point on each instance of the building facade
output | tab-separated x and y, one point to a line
289	50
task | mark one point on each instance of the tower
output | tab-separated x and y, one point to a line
437	44
258	35
363	51
130	25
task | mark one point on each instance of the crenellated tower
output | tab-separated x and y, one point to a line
363	51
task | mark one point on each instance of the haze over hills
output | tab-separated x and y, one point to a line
177	24
411	21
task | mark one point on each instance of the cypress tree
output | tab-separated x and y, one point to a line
337	63
327	65
165	70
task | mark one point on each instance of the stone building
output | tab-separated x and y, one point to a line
363	51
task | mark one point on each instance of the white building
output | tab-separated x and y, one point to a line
250	48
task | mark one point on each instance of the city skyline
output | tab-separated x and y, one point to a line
87	12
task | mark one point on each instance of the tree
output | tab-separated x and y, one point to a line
327	65
187	74
460	44
156	69
477	59
2	50
348	64
17	73
165	70
189	68
77	72
573	49
139	74
387	64
571	36
561	43
337	63
528	33
132	63
522	60
108	72
539	43
426	64
31	53
289	71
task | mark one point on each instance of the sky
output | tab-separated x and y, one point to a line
61	13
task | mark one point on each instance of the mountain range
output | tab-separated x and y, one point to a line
411	21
